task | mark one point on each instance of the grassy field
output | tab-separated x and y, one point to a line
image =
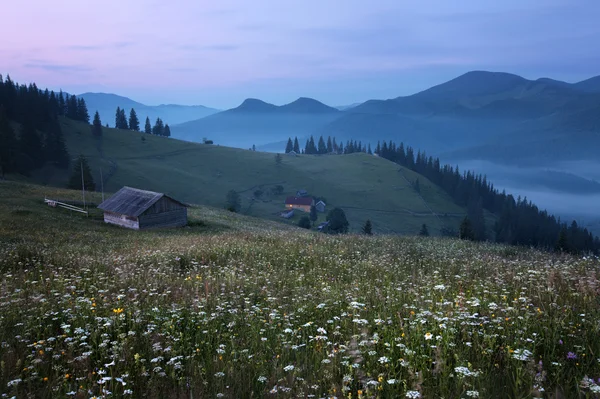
237	307
366	187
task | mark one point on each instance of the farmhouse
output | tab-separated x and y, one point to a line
300	203
320	206
140	209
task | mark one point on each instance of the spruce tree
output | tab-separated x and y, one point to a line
329	145
466	230
62	105
289	146
82	111
72	108
97	125
167	131
80	167
322	147
118	118
338	224
54	146
313	214
233	201
159	127
30	145
367	229
8	144
148	126
304	222
123	120
296	146
134	122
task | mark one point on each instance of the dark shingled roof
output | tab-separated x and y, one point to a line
132	201
299	200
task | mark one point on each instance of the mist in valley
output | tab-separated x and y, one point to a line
569	190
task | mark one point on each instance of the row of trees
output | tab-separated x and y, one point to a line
326	147
121	122
519	221
39	138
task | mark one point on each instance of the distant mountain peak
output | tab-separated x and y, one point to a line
255	105
307	105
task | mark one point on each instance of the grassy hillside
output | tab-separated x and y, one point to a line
366	187
234	307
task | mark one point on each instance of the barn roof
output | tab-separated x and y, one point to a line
132	201
299	201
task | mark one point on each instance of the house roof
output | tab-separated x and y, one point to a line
321	202
299	201
132	201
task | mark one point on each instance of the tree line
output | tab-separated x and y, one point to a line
330	146
39	139
133	123
518	221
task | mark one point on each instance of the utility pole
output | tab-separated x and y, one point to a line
82	183
102	184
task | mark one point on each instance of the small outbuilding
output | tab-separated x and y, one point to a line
320	206
140	209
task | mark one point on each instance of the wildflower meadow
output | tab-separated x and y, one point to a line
258	311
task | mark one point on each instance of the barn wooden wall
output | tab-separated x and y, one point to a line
163	205
173	218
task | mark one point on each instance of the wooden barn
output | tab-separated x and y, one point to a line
140	209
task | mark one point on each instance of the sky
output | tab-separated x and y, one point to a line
217	53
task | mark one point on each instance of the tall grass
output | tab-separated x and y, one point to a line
260	312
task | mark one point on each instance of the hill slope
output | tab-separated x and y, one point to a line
367	187
106	105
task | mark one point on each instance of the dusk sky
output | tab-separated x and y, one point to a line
217	53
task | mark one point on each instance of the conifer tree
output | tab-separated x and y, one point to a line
289	146
82	111
8	144
123	120
329	145
54	146
313	214
296	146
97	125
72	108
369	149
322	147
466	230
62	105
147	126
134	122
80	167
30	145
159	127
367	229
167	131
118	118
338	224
233	201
